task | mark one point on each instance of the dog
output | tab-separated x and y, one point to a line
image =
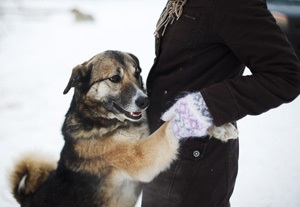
80	16
108	151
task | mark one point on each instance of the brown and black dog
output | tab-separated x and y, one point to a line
108	151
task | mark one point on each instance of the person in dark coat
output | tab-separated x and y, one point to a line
202	48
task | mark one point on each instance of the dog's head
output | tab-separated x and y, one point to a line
111	81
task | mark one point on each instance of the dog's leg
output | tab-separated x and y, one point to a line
150	156
140	159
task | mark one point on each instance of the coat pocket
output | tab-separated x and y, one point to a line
174	183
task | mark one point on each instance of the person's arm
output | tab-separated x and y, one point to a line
250	31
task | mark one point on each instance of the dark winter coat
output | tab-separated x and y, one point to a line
207	50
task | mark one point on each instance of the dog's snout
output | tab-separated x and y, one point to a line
142	102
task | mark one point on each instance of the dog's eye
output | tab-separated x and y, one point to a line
115	79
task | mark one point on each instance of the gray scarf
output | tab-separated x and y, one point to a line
172	11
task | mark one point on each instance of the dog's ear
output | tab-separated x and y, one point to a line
139	68
135	59
80	77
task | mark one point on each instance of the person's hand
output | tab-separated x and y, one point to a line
189	116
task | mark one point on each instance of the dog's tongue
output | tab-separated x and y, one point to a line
135	113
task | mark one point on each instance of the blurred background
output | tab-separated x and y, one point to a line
287	15
42	40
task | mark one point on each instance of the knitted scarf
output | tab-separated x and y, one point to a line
172	11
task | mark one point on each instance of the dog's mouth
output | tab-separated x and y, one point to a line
131	115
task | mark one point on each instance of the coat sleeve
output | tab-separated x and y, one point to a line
251	33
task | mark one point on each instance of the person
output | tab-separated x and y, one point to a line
202	48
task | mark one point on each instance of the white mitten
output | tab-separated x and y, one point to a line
190	116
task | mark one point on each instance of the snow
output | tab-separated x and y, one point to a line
40	42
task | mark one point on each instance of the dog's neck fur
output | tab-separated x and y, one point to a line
82	124
88	121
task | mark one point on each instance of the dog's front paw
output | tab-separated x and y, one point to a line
224	132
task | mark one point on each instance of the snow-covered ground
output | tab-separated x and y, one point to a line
40	42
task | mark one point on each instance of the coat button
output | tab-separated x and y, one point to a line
196	153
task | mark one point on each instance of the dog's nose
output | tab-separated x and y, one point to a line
142	102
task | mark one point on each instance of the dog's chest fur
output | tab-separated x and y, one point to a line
92	151
121	191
